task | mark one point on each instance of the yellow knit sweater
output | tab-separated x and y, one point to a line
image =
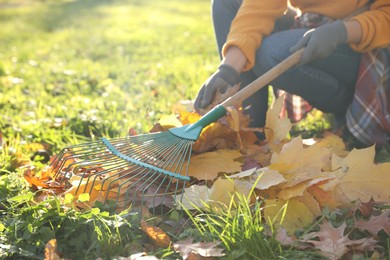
255	19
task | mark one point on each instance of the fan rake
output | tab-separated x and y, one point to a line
149	169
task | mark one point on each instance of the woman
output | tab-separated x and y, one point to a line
252	37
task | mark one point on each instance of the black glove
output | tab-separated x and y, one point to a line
321	41
225	77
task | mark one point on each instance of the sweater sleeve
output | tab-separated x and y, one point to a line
375	25
254	20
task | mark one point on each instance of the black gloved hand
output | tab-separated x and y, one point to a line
321	41
225	77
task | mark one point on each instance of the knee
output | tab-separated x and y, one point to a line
267	56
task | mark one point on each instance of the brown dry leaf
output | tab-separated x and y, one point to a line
156	234
376	223
51	250
365	209
298	215
359	178
332	241
283	237
216	136
258	153
204	249
207	166
276	128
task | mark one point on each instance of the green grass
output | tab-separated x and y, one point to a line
75	70
242	230
99	67
71	71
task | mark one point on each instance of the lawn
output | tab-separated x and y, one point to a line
72	71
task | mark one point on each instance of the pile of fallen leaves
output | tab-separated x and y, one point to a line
296	180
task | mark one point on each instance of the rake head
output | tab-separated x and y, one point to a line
145	170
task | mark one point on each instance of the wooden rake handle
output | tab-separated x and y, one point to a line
264	79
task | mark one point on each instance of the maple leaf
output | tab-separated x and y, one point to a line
284	238
294	156
207	166
299	164
332	241
264	178
204	249
376	223
359	178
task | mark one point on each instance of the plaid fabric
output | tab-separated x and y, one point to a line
368	116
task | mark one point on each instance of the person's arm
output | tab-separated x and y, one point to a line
235	58
374	26
354	31
254	20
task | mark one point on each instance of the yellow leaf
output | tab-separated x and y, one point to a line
189	117
359	178
224	191
267	177
298	164
194	197
292	192
221	192
234	118
207	166
334	143
276	128
297	216
169	121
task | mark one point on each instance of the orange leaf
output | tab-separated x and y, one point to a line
51	250
324	198
156	234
